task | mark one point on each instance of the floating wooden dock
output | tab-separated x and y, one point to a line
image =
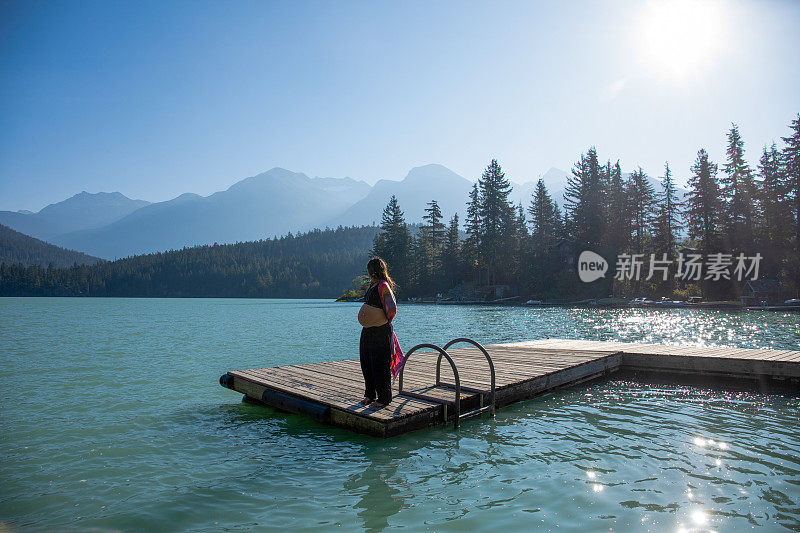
330	392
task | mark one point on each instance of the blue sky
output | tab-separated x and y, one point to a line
154	99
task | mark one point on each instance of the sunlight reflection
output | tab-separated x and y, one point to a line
699	517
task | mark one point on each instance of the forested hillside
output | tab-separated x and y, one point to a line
17	248
317	264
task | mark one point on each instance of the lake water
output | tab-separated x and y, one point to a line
113	419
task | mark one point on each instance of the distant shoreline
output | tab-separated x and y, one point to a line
723	305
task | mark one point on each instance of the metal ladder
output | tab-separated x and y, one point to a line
457	385
480	392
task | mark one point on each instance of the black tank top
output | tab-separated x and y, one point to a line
373	297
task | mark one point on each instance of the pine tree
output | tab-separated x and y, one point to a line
585	199
497	215
617	232
394	244
666	225
544	220
471	248
774	230
642	198
790	157
736	192
433	228
703	204
452	253
703	207
520	247
667	219
430	247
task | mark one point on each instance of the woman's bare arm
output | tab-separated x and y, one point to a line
389	303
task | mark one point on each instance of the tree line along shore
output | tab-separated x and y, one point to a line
501	250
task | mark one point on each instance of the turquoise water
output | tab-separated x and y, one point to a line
113	419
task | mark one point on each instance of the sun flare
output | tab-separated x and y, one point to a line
677	39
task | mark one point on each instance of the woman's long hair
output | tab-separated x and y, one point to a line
377	269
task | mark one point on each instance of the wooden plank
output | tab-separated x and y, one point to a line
521	355
502	378
321	391
733	367
325	396
423	377
354	395
501	362
355	385
329	415
775	355
515	371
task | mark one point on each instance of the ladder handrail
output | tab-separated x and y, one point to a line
488	359
442	352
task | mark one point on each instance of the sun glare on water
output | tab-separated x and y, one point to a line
677	39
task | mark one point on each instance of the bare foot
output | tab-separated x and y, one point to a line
378	405
366	401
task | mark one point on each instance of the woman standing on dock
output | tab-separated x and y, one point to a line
379	351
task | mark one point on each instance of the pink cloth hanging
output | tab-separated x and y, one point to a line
397	356
397	353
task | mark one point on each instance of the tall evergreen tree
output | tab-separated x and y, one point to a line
584	199
544	220
617	214
791	167
497	217
452	253
736	192
774	230
471	247
394	244
430	248
433	227
666	225
667	218
520	246
703	207
642	199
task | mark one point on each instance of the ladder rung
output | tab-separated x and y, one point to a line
463	388
426	397
476	412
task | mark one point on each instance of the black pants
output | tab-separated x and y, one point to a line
375	349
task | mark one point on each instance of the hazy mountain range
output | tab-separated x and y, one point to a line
110	225
82	211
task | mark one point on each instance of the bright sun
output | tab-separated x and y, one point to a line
676	39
